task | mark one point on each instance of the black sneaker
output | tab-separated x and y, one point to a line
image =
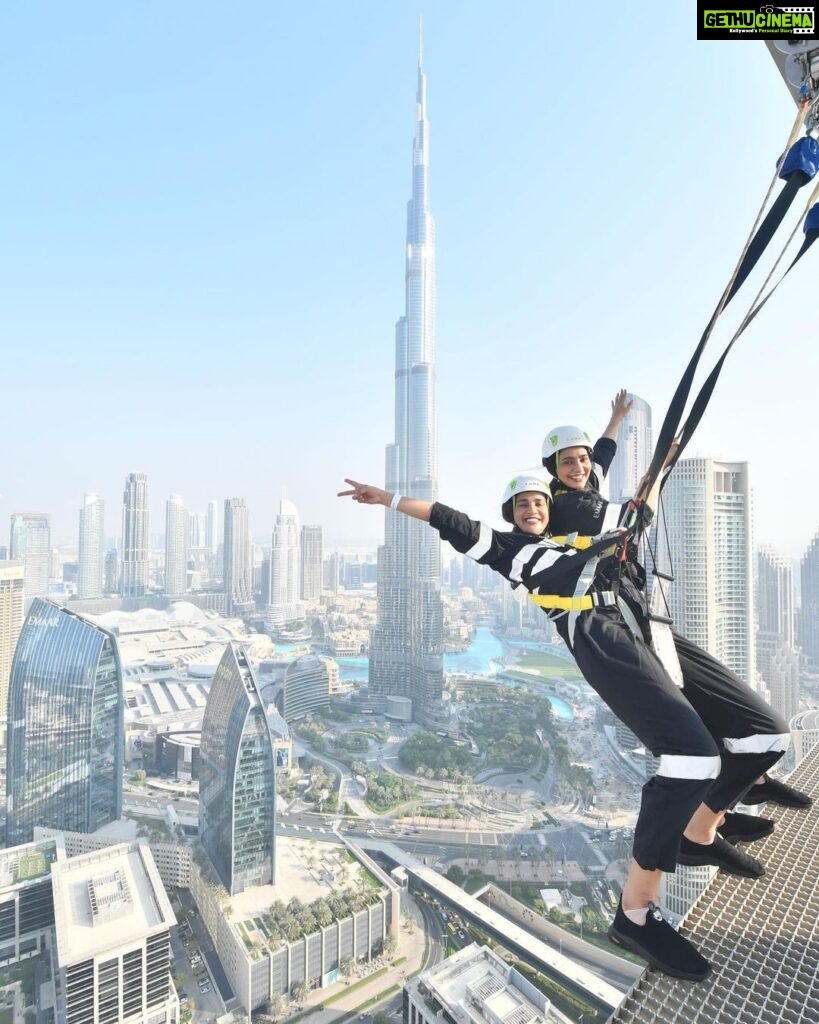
778	793
721	854
744	828
658	942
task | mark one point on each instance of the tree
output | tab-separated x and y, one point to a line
382	1018
300	990
274	1006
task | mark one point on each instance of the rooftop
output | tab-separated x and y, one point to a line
762	936
107	899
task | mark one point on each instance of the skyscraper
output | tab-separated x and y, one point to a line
211	526
238	568
111	570
11	620
635	444
90	560
312	558
176	546
285	567
707	509
809	611
65	737
31	545
237	787
134	576
406	650
777	659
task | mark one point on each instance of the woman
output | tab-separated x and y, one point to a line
564	577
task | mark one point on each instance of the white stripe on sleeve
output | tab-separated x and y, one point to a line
482	544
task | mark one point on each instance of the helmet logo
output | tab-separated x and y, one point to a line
554	438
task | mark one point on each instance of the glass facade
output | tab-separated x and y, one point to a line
65	736
237	778
406	645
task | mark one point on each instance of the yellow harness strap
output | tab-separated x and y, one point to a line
572	540
569	604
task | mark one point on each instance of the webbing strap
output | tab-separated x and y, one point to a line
752	250
704	396
599	599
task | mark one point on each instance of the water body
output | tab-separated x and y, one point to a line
483	657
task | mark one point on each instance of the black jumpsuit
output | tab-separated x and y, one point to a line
692	730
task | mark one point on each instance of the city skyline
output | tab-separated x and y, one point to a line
197	250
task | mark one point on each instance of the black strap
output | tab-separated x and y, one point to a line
671	424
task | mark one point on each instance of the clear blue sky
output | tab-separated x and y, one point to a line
203	210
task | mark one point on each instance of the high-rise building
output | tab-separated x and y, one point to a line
306	687
237	789
90	560
111	578
809	611
65	734
176	546
776	657
113	923
11	621
406	649
635	445
134	575
212	526
26	898
31	545
312	562
707	510
237	557
285	568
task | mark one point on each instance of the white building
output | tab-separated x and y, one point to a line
635	445
284	605
707	509
31	545
776	656
176	546
133	579
90	560
476	986
312	562
112	919
237	558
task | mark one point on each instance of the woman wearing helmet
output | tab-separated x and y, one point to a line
563	578
750	737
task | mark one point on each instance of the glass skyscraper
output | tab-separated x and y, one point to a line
635	445
406	649
236	553
237	779
134	576
90	557
65	733
30	543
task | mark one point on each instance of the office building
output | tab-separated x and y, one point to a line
26	898
635	446
238	569
808	620
776	656
11	621
475	985
111	572
284	605
707	507
212	526
90	559
406	649
237	788
65	735
113	923
306	687
312	562
135	550
176	546
31	545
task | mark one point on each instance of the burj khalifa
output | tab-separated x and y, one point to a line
406	646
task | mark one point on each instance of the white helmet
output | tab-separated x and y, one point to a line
558	439
526	480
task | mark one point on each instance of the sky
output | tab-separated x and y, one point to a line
204	214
